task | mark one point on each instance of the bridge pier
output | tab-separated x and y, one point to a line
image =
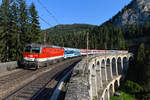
106	96
99	83
117	72
111	72
111	90
93	81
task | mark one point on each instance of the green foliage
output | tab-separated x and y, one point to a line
34	24
94	98
68	35
139	72
124	96
5	32
146	97
15	29
132	87
74	28
137	31
103	37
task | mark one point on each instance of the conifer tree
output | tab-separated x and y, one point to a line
4	27
147	71
24	33
14	42
141	53
23	22
34	24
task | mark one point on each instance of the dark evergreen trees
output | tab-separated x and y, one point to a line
34	24
23	22
13	41
141	53
4	27
16	29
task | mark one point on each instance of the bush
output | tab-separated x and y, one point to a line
132	87
146	97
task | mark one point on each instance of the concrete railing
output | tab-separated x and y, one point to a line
7	66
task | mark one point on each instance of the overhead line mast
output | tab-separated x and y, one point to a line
45	31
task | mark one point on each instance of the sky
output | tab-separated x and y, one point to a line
93	12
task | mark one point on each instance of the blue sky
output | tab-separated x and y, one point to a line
93	12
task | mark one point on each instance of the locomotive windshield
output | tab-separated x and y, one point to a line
35	50
27	49
30	49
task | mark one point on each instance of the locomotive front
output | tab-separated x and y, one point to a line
31	54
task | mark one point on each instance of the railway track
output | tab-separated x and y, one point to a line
30	85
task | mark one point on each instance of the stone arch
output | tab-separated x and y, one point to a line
114	67
125	64
98	76
111	89
108	69
98	65
116	85
131	58
119	65
103	71
93	81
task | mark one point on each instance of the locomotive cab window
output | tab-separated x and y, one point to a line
27	49
35	50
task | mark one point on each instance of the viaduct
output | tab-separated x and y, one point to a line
103	75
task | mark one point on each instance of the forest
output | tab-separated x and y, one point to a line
100	37
19	25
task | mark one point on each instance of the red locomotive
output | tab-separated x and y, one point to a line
40	55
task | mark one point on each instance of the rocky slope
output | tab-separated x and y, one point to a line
137	12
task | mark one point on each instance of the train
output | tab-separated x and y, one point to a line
39	55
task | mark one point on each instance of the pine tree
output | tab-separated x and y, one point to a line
4	27
15	42
141	54
24	29
147	71
35	27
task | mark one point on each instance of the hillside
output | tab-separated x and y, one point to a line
60	29
68	35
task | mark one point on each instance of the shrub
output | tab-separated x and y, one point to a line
132	87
